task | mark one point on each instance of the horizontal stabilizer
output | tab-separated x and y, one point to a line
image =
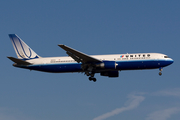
18	61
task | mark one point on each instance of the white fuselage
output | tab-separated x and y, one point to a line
124	62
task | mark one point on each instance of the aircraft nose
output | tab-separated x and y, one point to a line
171	61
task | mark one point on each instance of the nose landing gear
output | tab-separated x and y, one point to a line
160	71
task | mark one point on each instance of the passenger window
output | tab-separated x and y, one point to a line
131	55
127	55
148	55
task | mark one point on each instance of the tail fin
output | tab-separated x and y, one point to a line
23	51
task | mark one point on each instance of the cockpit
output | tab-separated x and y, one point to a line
166	56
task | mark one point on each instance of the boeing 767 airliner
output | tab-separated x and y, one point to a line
106	65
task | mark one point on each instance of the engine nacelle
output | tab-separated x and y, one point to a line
110	73
107	65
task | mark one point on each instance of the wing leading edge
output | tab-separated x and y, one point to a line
79	56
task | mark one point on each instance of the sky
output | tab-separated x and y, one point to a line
92	27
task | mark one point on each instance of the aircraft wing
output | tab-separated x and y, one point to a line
79	56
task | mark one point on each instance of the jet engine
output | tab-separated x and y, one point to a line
107	65
110	73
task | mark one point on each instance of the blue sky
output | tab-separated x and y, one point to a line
93	27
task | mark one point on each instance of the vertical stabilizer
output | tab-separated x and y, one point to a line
23	51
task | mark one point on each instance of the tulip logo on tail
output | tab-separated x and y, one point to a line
23	51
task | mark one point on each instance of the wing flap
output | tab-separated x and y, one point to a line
78	56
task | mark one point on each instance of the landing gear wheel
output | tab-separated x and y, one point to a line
91	78
160	73
94	79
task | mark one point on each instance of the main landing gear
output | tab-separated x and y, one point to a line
92	79
89	71
160	71
91	74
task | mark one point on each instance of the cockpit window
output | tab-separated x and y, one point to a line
166	57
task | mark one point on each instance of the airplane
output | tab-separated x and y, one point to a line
76	61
